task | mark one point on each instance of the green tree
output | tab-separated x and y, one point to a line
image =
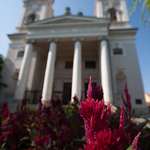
145	15
1	66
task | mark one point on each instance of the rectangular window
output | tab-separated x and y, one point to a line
138	101
66	93
118	51
90	64
20	54
68	64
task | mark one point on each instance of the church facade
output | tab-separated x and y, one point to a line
55	56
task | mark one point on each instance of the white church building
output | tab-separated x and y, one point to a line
55	56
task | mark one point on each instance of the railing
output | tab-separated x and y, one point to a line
58	95
120	25
33	96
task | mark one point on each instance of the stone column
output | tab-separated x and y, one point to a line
23	73
99	9
49	73
76	74
105	72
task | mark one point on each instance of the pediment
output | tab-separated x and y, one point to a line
68	20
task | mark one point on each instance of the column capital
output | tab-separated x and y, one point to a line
31	41
74	39
101	38
52	40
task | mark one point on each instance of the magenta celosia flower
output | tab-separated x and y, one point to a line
99	136
95	116
76	100
89	91
127	102
5	111
125	139
105	140
42	141
135	141
122	117
95	92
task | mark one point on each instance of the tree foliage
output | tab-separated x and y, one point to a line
1	62
145	14
1	66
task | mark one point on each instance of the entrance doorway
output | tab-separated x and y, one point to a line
66	93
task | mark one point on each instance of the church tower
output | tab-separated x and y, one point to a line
116	11
35	10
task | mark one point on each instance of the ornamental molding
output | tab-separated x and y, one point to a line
73	30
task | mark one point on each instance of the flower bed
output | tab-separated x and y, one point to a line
53	127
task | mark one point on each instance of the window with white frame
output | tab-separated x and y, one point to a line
20	54
118	51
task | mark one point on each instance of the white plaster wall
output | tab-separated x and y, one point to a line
11	65
128	63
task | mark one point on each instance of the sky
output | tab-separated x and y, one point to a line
10	11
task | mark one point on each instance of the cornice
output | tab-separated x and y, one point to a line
123	31
78	20
17	36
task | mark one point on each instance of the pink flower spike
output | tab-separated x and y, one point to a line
5	111
89	91
122	118
125	88
135	142
127	102
124	102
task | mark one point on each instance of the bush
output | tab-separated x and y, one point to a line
48	127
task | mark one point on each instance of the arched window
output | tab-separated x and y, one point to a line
31	18
112	14
120	81
20	54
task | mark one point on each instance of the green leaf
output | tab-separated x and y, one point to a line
3	146
141	125
25	138
130	147
29	130
26	125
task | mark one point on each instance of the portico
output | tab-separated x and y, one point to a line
55	77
